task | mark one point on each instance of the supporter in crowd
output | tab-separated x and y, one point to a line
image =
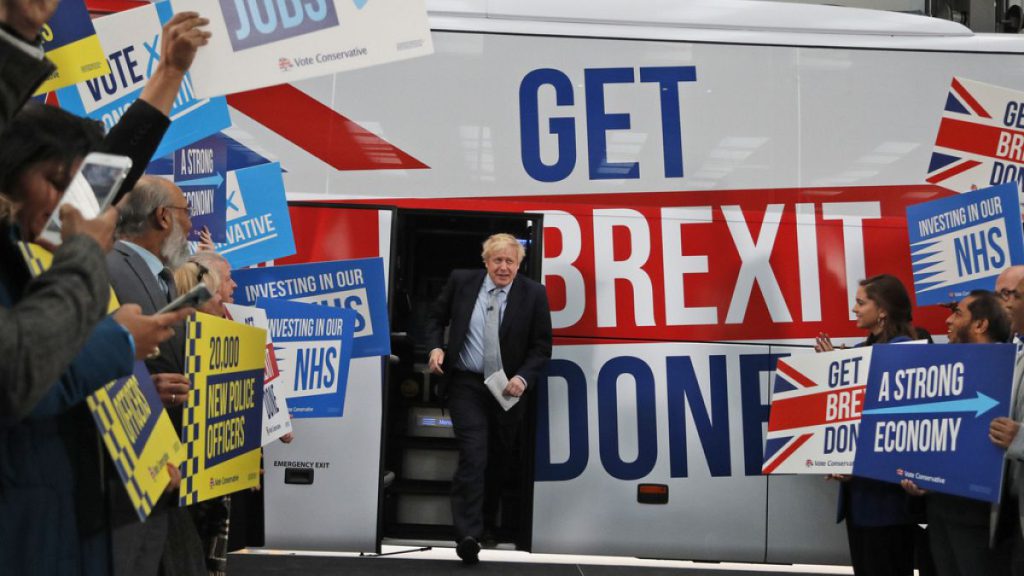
39	476
152	235
215	517
879	527
24	66
1006	286
958	528
63	305
219	265
1013	301
190	274
47	500
211	516
1005	432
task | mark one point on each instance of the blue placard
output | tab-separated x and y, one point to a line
199	171
926	416
259	226
69	24
357	285
132	43
313	345
232	424
963	242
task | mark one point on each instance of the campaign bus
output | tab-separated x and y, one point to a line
700	186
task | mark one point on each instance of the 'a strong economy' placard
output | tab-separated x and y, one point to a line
926	417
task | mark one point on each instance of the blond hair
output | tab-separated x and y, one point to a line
187	276
498	241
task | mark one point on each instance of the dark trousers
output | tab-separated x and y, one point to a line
486	441
881	551
1009	539
958	531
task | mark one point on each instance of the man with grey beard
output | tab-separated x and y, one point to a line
152	240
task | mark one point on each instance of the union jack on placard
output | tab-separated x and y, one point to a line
815	412
979	137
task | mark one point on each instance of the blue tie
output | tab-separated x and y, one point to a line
492	348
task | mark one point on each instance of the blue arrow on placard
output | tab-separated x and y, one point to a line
979	405
215	180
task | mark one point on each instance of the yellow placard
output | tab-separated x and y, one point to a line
221	429
138	435
39	260
76	62
135	428
71	43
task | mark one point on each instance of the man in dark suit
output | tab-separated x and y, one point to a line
958	528
153	232
499	328
1007	520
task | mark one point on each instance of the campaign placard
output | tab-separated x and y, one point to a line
356	285
199	171
138	435
979	142
962	243
259	226
276	420
259	44
132	43
71	43
39	260
926	417
221	428
314	349
815	412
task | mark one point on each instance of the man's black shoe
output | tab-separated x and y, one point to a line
469	550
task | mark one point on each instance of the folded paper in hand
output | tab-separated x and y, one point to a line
497	383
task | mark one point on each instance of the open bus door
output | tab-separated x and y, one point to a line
384	470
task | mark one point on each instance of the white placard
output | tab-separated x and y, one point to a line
258	43
276	421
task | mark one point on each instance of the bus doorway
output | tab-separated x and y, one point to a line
420	447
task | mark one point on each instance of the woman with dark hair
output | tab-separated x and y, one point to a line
53	509
42	150
879	526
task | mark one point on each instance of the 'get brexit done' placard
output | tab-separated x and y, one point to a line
815	412
926	417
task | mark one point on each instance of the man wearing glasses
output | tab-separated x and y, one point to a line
1007	288
153	240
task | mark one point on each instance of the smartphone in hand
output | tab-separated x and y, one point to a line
194	298
91	191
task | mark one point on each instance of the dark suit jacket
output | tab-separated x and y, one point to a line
134	283
20	76
524	334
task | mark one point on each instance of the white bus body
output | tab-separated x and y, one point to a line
715	177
